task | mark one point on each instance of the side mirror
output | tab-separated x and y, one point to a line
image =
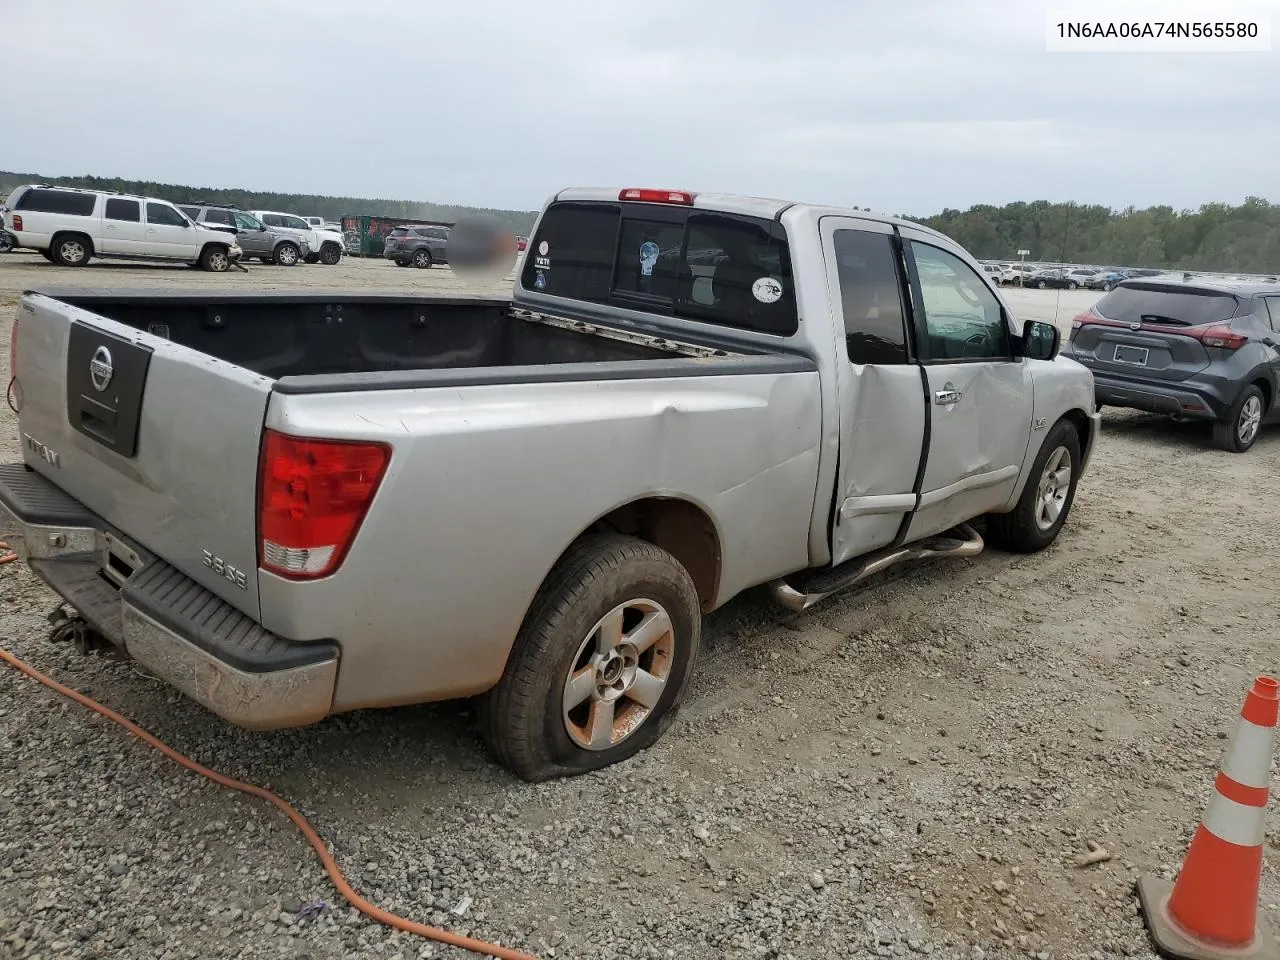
262	228
1040	341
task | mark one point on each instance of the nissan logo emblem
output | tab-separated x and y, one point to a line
100	369
1135	325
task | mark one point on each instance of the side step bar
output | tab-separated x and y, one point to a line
802	590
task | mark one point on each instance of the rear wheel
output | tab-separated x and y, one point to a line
71	250
421	259
1041	284
287	254
215	259
600	663
1046	500
330	254
1237	431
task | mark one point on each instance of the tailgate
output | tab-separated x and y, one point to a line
1139	353
159	440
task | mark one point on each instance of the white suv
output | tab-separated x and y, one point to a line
69	226
326	245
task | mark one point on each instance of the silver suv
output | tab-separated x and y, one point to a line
256	238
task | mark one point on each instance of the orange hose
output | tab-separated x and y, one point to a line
330	865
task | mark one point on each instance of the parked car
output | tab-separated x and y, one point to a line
420	246
1191	350
993	272
1107	280
1053	277
326	245
1016	273
1080	277
256	239
70	226
678	437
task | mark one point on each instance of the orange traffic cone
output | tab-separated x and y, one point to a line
1211	912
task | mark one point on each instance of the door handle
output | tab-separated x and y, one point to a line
947	396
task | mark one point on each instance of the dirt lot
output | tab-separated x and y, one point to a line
912	769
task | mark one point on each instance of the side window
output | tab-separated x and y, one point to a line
273	220
165	215
246	222
71	202
118	209
962	316
192	212
296	223
1271	311
871	297
219	216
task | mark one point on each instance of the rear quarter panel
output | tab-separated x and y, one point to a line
488	485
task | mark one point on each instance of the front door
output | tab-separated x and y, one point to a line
979	392
255	239
169	233
880	386
123	232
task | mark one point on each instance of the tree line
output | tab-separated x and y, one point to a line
331	208
1217	237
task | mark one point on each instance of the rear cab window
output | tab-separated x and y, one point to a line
1162	305
719	268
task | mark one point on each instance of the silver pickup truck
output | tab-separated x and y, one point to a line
292	505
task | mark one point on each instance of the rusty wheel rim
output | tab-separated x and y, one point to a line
618	675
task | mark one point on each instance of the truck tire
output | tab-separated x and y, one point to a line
421	259
600	663
48	255
1046	499
312	258
287	254
215	258
71	249
330	254
1237	431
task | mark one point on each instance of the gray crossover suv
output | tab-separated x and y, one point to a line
419	246
256	238
1187	348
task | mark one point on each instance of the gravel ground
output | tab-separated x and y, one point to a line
913	769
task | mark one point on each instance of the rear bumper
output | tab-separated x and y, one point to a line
181	632
1182	398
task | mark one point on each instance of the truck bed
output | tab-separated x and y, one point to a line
284	335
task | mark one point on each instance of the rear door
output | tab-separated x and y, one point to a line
881	391
980	394
149	435
1143	340
169	233
123	232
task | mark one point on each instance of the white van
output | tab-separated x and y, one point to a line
69	226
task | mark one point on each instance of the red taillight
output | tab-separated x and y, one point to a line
17	221
1222	337
312	498
1080	319
657	196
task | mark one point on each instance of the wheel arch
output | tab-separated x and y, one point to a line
68	231
684	529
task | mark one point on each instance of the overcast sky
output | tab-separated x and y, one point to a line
905	108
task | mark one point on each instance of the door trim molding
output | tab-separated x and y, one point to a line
974	482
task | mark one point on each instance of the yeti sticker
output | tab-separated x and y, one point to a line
648	258
767	290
